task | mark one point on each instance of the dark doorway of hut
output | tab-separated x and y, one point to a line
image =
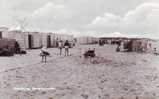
30	41
0	34
48	41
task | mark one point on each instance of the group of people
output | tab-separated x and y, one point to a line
66	45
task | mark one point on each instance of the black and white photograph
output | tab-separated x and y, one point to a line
79	49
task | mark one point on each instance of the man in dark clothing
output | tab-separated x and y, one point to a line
17	48
66	45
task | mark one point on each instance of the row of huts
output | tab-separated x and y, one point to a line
33	40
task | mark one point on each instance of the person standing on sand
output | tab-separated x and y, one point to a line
60	46
118	48
150	50
66	45
122	46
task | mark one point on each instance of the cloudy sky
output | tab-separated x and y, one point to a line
83	17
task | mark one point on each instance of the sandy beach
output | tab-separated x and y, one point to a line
110	75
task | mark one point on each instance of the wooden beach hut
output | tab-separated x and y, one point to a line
2	30
136	44
53	39
33	40
18	35
86	40
81	40
140	45
49	39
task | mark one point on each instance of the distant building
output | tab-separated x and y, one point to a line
87	40
132	44
3	29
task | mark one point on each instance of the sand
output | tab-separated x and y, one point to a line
110	75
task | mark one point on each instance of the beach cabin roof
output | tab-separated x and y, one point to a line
3	28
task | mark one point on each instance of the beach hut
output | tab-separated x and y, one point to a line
141	45
2	30
44	39
18	35
136	44
49	39
86	40
92	40
53	39
81	40
33	40
57	38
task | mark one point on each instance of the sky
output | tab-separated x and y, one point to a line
83	17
